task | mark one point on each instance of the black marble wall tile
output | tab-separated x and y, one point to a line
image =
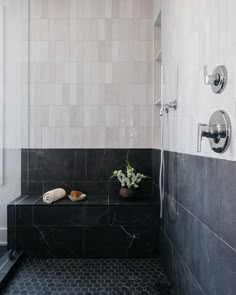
156	161
129	215
211	261
121	241
206	187
81	169
11	237
225	191
20	215
69	215
49	241
34	187
25	171
171	172
197	187
11	219
101	162
183	281
86	241
199	221
57	164
141	160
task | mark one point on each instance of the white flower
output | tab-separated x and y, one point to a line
130	179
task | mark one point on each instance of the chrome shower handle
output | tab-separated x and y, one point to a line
217	80
215	132
211	79
202	129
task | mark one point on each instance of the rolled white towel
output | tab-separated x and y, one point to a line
54	195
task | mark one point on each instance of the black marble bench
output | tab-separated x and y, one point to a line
100	226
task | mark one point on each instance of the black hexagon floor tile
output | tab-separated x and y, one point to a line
89	277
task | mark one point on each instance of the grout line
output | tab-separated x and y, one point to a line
183	261
220	238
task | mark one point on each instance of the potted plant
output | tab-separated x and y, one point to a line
129	181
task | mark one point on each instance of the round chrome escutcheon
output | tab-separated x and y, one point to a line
220	122
219	85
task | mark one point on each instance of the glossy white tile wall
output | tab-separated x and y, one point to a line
91	73
197	33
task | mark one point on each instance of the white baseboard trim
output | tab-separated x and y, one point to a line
3	236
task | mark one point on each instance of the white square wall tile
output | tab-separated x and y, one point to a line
76	72
146	30
94	94
35	94
77	29
48	94
72	116
111	94
63	51
115	9
35	30
48	71
129	116
146	116
112	116
126	8
94	137
76	9
35	9
77	94
223	25
94	116
146	8
94	8
80	138
108	73
45	29
108	8
101	29
35	137
116	30
55	9
69	135
97	72
112	137
231	22
39	51
48	137
35	72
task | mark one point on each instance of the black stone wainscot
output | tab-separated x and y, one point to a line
101	226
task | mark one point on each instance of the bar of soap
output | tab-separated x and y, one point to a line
77	196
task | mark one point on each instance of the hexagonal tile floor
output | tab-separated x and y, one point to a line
85	277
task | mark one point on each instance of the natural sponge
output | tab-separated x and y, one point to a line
77	196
